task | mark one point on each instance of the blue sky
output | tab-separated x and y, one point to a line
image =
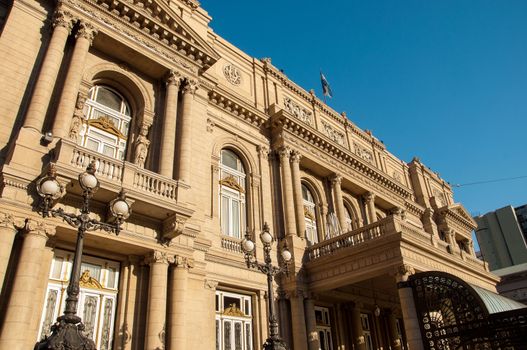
442	80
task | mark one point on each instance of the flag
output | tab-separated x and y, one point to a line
326	89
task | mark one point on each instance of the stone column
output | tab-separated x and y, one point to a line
36	113
311	324
130	302
356	328
297	192
369	200
168	132
8	232
68	98
406	298
178	312
22	302
157	300
209	333
40	294
298	321
336	182
395	342
185	141
342	343
287	192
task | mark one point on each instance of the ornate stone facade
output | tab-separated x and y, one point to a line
175	114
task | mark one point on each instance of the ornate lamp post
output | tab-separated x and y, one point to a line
274	342
67	332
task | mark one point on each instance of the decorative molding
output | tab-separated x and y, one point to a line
299	112
232	74
334	134
211	284
238	109
105	123
87	281
173	227
158	257
63	18
191	86
183	262
231	182
38	228
363	152
174	77
154	26
210	125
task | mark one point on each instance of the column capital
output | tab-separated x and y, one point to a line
295	156
158	257
211	284
263	151
369	196
190	86
183	262
336	180
403	272
86	31
174	77
9	221
63	18
284	152
38	228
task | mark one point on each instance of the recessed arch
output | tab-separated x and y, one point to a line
128	84
237	147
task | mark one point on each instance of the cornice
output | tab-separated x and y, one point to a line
281	120
414	208
456	214
237	107
149	22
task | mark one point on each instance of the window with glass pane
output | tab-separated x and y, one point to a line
232	194
108	120
310	215
233	321
97	297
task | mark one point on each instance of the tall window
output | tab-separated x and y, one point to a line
234	330
232	194
97	299
310	215
323	328
108	120
367	330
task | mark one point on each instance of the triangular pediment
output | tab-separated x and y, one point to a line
157	21
460	211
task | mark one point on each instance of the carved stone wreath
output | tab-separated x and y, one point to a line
232	74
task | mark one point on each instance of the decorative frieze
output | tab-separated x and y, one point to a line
363	152
333	133
232	74
299	112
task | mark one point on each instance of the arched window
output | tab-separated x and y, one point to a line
108	120
232	194
310	215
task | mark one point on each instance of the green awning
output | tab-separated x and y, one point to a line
496	303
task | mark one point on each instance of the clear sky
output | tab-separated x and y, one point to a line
444	80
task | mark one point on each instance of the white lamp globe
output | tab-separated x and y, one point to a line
247	245
88	181
49	187
120	208
266	237
286	255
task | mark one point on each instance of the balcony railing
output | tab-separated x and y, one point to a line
231	244
352	238
116	172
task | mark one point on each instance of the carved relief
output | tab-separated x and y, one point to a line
173	226
334	134
296	110
210	125
184	262
440	197
363	152
87	281
232	74
62	18
397	176
230	181
141	146
158	257
86	31
78	118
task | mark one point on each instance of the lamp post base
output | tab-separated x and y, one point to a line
275	344
67	333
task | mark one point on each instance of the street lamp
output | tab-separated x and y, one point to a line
67	332
274	342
